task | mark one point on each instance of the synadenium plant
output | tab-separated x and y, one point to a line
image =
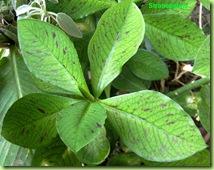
149	123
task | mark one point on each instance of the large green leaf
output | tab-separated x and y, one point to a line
96	151
80	123
30	121
154	126
173	36
56	154
204	107
119	33
183	7
15	82
200	159
148	66
202	61
80	8
52	59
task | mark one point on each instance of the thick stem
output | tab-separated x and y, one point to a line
188	87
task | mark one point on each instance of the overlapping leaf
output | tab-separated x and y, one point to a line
202	61
205	107
96	151
80	123
119	33
173	36
30	121
51	56
16	81
148	66
154	126
80	8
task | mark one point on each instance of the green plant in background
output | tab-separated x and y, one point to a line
62	85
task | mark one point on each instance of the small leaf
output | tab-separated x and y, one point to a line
127	81
174	33
148	66
154	126
204	107
53	59
68	25
96	151
30	122
202	62
119	33
80	123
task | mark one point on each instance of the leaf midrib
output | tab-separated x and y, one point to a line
111	53
16	75
143	119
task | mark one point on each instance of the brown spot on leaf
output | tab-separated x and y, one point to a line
41	110
54	34
98	125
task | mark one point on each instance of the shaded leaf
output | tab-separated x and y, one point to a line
200	159
124	159
96	151
80	8
127	81
148	66
56	154
15	82
68	25
204	107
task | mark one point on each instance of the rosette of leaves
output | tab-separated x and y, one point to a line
149	123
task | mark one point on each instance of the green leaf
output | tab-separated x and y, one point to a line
206	3
183	7
68	25
80	123
96	151
56	154
119	33
127	81
148	66
125	159
154	126
30	121
189	102
15	82
171	33
52	59
80	8
200	159
204	107
202	62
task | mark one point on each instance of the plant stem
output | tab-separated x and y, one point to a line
188	87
